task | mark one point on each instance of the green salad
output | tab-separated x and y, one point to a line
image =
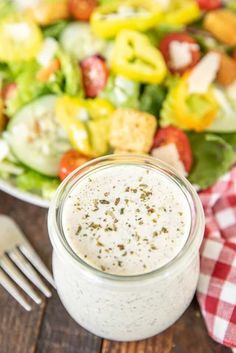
80	79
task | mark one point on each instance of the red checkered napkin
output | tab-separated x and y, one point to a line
216	290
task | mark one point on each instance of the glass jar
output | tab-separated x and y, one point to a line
125	308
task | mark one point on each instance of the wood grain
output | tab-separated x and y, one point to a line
158	344
49	329
18	329
60	334
190	334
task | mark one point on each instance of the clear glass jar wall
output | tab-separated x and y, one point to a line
125	308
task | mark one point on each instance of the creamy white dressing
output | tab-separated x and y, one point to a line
126	220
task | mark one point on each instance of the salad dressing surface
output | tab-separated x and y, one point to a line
126	220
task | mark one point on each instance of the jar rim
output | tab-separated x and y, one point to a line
58	238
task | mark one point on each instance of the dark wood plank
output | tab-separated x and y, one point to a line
60	334
18	329
190	334
187	335
158	344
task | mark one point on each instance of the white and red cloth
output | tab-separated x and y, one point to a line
216	290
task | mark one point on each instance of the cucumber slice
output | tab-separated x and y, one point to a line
225	120
36	138
223	123
78	40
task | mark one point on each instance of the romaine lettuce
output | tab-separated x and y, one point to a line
65	80
152	98
213	157
32	181
55	29
121	92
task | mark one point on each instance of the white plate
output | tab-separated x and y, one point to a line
24	196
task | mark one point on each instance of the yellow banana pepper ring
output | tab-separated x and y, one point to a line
69	111
184	116
134	57
111	18
182	12
80	118
20	38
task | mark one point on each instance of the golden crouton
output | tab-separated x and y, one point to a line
222	25
227	71
132	130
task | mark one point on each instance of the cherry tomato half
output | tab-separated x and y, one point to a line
181	37
171	134
82	9
69	162
209	4
94	75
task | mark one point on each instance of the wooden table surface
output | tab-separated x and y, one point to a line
49	329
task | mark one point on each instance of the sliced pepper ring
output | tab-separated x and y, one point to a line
189	119
133	56
20	39
111	18
182	12
86	123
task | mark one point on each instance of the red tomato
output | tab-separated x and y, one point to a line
209	4
70	161
82	9
171	134
94	75
8	91
181	37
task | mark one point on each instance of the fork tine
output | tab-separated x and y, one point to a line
28	271
32	256
16	276
12	289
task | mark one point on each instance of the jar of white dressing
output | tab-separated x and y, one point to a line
126	232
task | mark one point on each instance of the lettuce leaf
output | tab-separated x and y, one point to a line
121	92
55	29
71	74
151	99
28	87
230	138
66	80
32	181
213	157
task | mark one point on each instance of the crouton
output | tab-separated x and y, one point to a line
222	25
227	71
132	131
